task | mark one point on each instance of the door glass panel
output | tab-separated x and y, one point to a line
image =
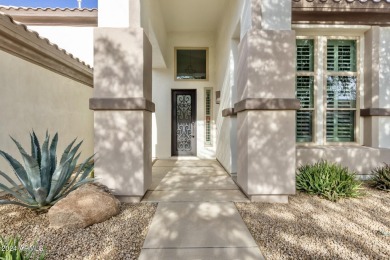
184	123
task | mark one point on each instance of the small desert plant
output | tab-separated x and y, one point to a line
381	179
331	181
11	249
43	181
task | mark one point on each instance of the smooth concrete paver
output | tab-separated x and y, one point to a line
247	253
194	182
198	171
187	163
198	224
196	217
195	195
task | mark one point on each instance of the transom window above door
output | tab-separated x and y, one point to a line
191	63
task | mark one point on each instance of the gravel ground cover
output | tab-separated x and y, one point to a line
120	237
310	227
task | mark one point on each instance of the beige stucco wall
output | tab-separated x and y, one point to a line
384	83
163	83
228	38
35	98
360	159
376	86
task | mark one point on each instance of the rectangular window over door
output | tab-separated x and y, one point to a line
191	63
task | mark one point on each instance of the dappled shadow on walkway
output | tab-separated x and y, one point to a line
196	217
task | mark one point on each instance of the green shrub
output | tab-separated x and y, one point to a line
381	179
43	181
11	249
331	181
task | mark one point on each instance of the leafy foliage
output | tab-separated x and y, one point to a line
331	181
43	181
381	179
11	249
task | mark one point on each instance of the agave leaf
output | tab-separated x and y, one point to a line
36	148
20	172
53	156
82	166
78	184
64	156
87	171
74	150
64	178
3	202
16	187
60	170
16	194
33	172
45	175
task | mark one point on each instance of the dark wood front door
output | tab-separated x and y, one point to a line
183	122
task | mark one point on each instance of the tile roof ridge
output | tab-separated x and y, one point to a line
63	9
347	1
43	39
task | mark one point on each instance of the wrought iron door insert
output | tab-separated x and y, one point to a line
183	122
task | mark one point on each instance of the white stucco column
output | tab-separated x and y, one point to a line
122	100
376	108
267	106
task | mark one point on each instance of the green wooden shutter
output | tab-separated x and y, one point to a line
305	90
341	92
305	55
304	118
341	55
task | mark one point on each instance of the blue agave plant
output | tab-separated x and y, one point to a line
43	181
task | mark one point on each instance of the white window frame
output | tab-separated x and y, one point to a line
320	88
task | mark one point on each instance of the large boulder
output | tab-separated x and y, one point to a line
83	207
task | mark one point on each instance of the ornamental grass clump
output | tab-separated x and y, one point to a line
11	249
381	179
331	181
43	181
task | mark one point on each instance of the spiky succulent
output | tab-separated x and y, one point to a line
43	182
381	179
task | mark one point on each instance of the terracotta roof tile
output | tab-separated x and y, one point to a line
42	39
21	8
347	1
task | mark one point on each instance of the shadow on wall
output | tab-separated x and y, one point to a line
119	135
267	70
117	71
357	158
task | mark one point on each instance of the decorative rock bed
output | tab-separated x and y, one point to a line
315	228
120	237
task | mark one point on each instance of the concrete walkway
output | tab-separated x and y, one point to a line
196	217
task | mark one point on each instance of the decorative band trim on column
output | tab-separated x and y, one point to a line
228	112
121	104
366	112
267	104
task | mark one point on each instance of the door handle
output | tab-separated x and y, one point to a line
192	130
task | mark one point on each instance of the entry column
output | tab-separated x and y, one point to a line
122	100
266	110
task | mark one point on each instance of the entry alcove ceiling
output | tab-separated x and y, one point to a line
192	15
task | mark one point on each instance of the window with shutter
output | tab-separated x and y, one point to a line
341	91
327	86
305	90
